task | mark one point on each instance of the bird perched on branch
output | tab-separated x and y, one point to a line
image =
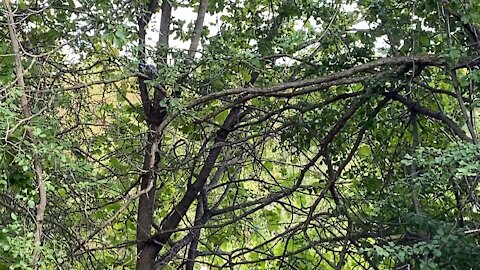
147	71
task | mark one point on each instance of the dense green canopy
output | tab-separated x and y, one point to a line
225	134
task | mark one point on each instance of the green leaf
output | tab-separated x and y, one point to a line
118	226
381	251
364	150
256	62
268	165
246	75
220	118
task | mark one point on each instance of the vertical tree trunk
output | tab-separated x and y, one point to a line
154	115
192	250
37	164
146	207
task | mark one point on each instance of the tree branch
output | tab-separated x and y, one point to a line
37	164
432	114
197	32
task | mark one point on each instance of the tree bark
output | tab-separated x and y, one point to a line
152	246
154	115
192	250
37	164
197	31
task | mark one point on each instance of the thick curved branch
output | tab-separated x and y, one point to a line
432	114
438	90
427	60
